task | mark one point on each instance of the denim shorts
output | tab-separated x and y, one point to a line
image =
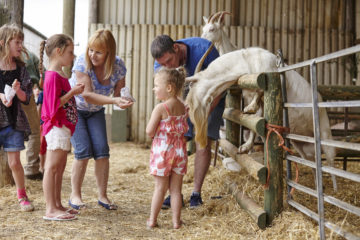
215	120
89	139
11	139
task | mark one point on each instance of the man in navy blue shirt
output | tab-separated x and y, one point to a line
187	52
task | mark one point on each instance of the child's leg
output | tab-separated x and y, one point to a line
16	169
18	174
161	186
52	166
176	199
58	182
42	153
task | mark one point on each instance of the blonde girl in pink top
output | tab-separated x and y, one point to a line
168	158
60	117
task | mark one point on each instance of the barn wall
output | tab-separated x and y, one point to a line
133	46
302	29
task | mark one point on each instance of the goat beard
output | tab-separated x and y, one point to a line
199	100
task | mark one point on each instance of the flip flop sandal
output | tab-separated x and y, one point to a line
61	217
108	206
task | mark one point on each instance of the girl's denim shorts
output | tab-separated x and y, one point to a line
11	139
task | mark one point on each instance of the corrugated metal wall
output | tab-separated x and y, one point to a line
303	29
133	43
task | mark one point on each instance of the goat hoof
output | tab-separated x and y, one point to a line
250	109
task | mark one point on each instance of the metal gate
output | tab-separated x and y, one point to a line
317	165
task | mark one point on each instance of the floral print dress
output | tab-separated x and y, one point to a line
168	151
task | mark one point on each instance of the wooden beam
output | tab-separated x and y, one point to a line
247	162
250	206
5	172
339	92
252	81
233	99
251	121
273	114
69	17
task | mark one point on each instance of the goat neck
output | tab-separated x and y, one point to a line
224	44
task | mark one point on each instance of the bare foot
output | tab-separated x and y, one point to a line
151	224
178	225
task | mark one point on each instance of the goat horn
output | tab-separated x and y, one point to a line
201	62
214	17
209	19
221	18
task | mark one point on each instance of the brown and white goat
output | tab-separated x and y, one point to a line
226	69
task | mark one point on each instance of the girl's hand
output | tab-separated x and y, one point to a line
122	102
4	101
16	85
78	88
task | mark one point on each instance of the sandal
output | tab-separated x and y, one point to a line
25	204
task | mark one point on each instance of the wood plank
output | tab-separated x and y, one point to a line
143	83
5	171
255	169
150	76
129	74
251	121
273	113
252	208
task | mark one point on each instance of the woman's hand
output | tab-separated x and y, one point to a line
16	86
78	88
122	102
4	101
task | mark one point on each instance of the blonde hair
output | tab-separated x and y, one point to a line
55	41
102	39
9	32
176	77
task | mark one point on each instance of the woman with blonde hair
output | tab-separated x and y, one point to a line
103	74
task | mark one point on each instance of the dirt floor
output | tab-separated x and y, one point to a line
131	187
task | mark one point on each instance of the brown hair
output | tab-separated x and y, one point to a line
55	41
102	39
176	77
9	32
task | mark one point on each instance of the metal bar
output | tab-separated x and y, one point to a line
329	225
341	53
355	103
329	199
338	172
326	142
316	126
341	173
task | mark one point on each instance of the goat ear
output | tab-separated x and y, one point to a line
205	19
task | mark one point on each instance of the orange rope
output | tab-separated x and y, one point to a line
278	130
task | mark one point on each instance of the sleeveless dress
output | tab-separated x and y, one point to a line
168	150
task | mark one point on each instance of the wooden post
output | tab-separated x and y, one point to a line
68	25
69	17
233	129
250	206
16	8
273	111
5	172
93	13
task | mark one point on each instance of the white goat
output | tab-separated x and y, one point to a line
225	70
213	31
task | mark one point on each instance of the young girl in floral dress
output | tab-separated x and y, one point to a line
168	158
